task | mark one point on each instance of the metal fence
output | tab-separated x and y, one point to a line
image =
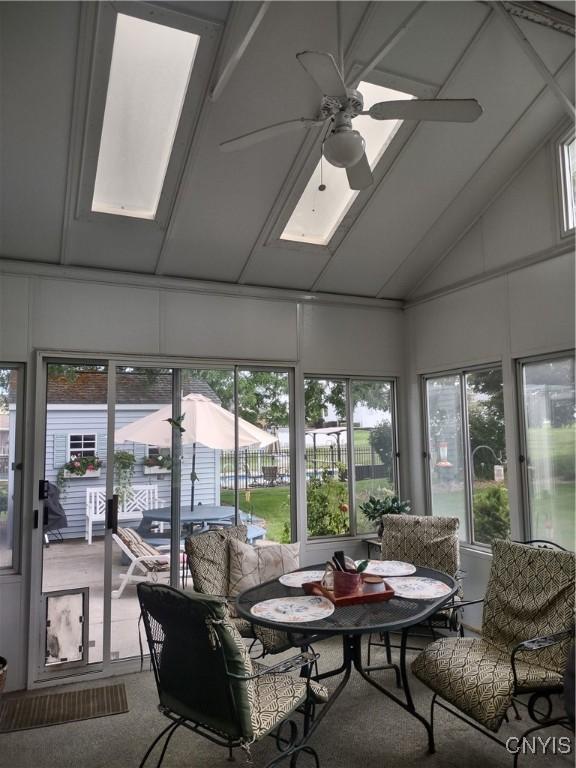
261	468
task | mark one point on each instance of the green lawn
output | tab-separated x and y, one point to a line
273	505
270	504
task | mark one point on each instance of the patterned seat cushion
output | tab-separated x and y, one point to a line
208	559
476	677
140	548
530	594
263	701
430	542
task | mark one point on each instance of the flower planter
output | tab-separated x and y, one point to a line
156	470
88	473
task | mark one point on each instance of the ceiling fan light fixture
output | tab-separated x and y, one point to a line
344	148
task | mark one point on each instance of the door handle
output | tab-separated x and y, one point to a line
112	513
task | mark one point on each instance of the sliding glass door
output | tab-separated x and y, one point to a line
137	457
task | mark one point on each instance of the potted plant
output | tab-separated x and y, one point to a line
124	463
82	466
375	509
157	463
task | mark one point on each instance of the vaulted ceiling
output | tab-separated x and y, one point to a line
224	212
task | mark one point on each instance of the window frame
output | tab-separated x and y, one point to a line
98	29
351	483
526	512
469	540
565	196
83	436
15	568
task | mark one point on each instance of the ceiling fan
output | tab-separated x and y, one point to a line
343	146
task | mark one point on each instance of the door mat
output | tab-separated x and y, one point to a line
53	708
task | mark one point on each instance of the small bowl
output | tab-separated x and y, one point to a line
372	578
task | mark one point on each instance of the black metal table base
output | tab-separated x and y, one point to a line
352	658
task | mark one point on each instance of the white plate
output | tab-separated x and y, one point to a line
297	578
389	568
418	587
294	609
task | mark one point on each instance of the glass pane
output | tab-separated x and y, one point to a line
318	213
549	418
326	458
143	486
73	553
373	433
487	445
445	454
264	466
569	175
9	383
208	479
149	74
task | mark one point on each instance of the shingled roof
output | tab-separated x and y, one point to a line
91	388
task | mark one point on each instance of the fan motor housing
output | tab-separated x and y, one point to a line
331	105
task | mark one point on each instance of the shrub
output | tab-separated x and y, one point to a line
491	514
327	506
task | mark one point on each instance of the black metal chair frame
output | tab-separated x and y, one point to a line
304	661
542	719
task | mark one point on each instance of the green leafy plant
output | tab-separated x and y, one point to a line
374	509
158	460
78	466
491	514
327	506
124	463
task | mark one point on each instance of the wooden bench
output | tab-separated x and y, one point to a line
138	498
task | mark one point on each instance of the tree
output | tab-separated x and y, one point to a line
382	442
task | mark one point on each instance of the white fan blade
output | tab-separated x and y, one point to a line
248	139
445	110
323	70
360	175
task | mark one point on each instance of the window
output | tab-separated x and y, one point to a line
548	447
567	149
350	451
466	452
317	214
81	445
11	398
149	76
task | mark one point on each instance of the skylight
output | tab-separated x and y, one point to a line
149	75
318	214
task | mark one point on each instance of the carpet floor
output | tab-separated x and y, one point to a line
363	729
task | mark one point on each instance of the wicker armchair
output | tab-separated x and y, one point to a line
206	681
527	626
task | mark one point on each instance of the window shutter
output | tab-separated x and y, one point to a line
60	449
140	451
101	446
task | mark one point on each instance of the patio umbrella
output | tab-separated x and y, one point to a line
202	421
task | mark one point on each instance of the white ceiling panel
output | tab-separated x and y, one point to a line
438	161
37	60
223	212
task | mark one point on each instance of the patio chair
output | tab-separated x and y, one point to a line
208	561
527	626
146	562
206	681
429	542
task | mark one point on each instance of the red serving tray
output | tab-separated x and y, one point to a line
367	593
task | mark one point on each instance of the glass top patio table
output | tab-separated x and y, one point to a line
387	616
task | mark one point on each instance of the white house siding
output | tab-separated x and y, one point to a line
61	422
